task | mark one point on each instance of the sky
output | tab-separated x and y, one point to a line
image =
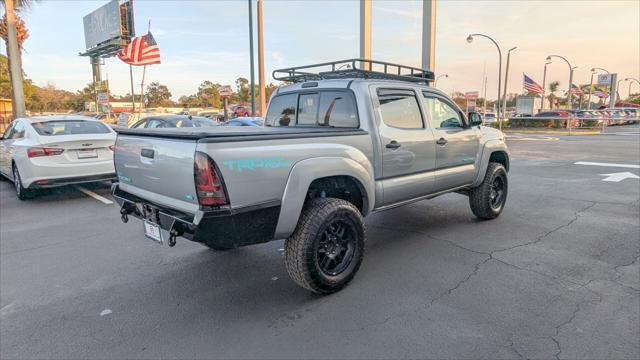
209	40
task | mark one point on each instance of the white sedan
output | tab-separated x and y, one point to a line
48	151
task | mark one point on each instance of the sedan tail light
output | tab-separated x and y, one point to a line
209	183
43	151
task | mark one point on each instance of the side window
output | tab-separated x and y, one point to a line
399	108
441	114
338	109
140	124
282	111
308	109
18	130
155	123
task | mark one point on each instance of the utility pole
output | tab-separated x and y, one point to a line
263	94
97	77
253	82
15	64
365	31
429	35
506	76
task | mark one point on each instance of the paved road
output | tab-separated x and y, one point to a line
557	275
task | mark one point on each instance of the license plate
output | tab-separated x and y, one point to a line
152	232
87	153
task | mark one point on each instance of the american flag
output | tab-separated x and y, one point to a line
532	86
142	50
576	90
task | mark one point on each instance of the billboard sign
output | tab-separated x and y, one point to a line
102	24
471	95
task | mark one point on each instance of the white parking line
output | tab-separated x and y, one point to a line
94	195
630	166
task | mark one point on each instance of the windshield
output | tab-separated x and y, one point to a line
69	127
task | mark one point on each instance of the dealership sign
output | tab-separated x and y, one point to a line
604	79
471	95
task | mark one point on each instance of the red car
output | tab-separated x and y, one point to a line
241	111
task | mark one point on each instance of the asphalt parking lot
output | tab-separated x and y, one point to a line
556	276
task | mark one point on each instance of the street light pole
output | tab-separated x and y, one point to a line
544	83
506	77
469	40
570	77
435	83
631	80
593	71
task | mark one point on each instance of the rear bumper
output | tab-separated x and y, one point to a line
218	228
48	183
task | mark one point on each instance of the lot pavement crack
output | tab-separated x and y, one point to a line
476	268
576	216
575	312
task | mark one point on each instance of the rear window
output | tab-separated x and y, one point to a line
323	108
69	127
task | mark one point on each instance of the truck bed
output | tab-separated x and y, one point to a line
240	133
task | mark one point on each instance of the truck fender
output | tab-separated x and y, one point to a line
304	172
489	147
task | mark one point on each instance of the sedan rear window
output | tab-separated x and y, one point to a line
69	127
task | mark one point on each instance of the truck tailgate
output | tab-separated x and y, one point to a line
158	169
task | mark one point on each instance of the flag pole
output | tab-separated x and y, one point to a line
144	71
133	100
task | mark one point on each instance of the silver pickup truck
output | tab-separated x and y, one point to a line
337	145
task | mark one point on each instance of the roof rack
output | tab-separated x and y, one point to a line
354	68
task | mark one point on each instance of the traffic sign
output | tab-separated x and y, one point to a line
103	98
225	91
471	95
604	79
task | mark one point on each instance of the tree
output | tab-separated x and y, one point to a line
242	84
553	99
158	95
209	94
15	34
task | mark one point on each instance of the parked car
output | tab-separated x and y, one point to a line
245	121
332	151
554	114
241	111
48	151
174	121
489	118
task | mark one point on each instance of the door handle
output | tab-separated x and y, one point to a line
393	145
442	141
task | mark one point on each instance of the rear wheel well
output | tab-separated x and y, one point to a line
500	157
341	187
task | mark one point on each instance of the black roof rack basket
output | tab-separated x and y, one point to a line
354	68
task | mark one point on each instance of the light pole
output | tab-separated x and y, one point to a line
253	100
544	83
469	40
506	77
570	77
631	80
593	71
435	83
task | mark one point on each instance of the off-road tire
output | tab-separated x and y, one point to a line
21	192
480	198
301	248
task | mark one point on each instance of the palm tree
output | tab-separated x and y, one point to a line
553	87
14	33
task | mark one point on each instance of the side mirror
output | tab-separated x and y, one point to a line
475	119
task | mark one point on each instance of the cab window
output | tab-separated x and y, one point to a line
441	114
400	109
282	111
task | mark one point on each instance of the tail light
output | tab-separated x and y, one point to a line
43	151
209	184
